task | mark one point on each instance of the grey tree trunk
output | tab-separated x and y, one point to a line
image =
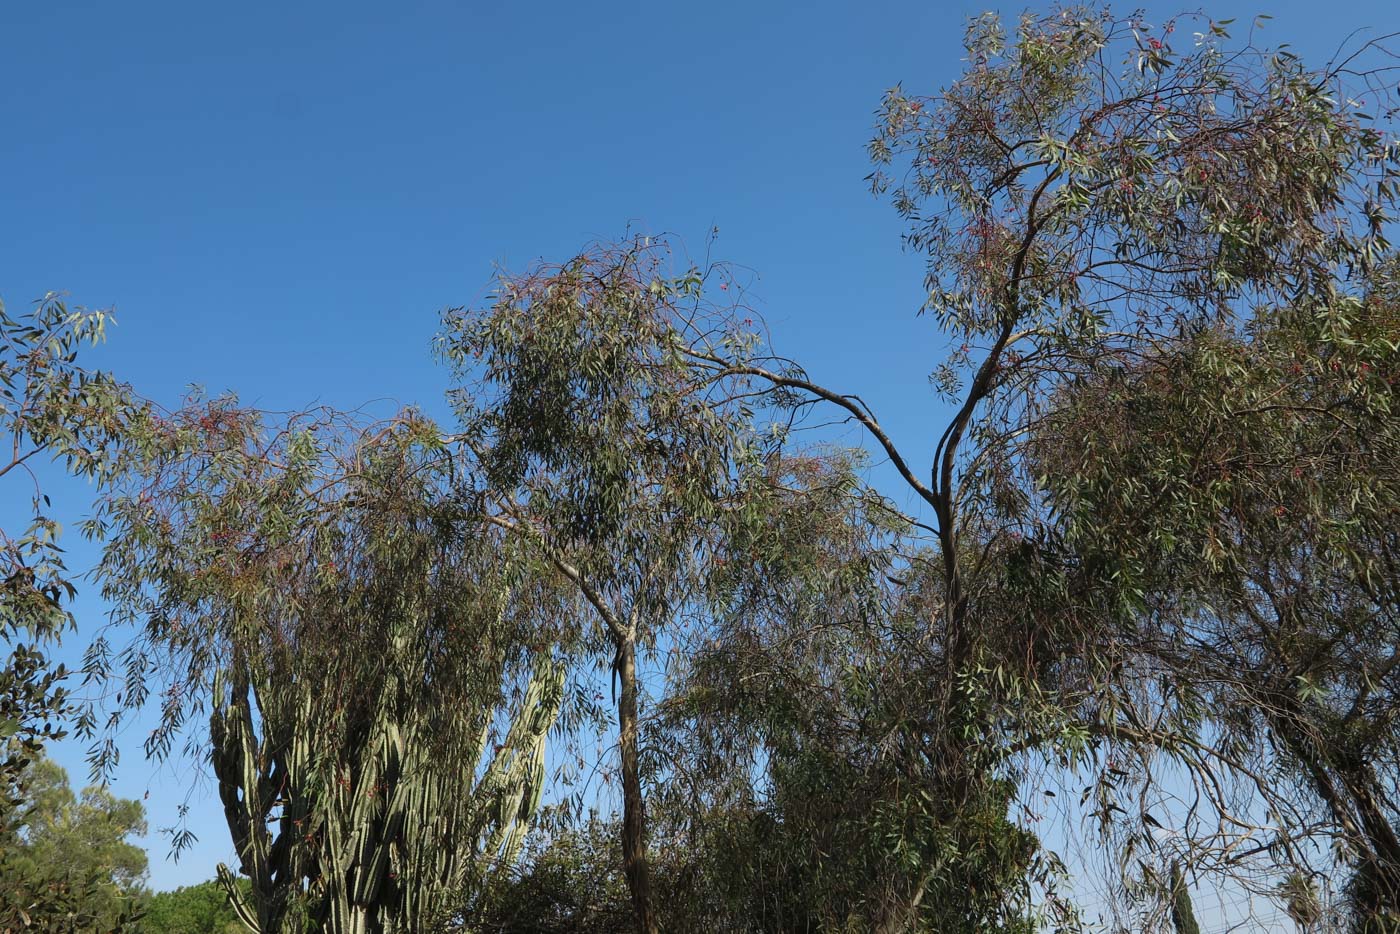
634	839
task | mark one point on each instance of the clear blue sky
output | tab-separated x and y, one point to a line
278	199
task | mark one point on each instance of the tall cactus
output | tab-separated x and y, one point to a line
255	773
1183	915
388	836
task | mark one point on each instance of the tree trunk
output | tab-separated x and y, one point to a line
1383	869
634	837
1348	787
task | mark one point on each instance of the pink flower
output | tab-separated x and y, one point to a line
1155	43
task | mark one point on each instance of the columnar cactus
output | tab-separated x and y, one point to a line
388	837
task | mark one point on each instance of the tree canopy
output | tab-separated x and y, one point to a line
193	909
66	863
1135	590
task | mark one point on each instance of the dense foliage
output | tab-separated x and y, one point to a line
66	863
193	909
1239	495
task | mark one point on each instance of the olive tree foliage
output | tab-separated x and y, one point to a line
1239	493
570	882
374	660
605	451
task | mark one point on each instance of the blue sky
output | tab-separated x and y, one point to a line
278	199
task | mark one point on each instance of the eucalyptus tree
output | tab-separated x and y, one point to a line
1242	491
604	449
780	702
1089	187
375	663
